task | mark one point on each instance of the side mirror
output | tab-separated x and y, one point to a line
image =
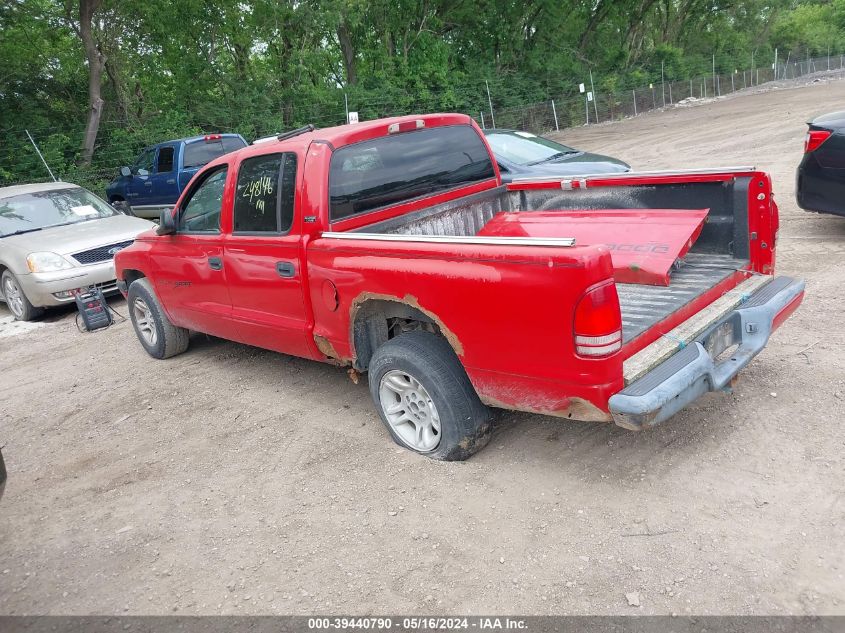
166	223
125	171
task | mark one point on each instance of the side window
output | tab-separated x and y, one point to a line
201	213
165	160
265	194
145	161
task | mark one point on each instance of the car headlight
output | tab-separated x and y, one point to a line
46	262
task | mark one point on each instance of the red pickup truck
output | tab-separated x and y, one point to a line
392	247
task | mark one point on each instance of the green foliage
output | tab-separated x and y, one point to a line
261	66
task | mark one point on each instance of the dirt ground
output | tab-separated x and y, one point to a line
233	480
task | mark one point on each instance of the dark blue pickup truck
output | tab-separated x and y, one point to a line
162	171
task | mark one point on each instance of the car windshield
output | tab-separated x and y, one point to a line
42	209
524	148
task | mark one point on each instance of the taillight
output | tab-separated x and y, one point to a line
598	322
814	140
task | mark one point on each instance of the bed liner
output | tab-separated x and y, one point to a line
643	306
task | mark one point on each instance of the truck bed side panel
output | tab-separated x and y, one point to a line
482	297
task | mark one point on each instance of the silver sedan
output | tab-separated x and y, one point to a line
55	239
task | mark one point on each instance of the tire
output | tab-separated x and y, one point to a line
414	372
123	207
158	336
16	299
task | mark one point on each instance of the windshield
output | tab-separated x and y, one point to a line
43	209
524	148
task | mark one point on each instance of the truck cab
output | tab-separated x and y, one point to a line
161	172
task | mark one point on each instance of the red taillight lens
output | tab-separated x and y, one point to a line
212	137
814	140
598	322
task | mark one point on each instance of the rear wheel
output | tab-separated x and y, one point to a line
16	300
425	398
156	333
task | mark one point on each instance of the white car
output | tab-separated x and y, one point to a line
57	238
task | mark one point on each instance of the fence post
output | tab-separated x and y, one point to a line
595	96
690	87
483	127
634	93
670	93
663	84
554	112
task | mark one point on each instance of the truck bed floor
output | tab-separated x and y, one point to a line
643	306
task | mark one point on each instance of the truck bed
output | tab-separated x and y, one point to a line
721	249
643	306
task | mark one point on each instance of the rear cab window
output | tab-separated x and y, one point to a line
202	151
389	170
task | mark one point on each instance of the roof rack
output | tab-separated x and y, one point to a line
300	130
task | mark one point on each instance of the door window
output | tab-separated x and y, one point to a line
265	194
145	162
165	160
201	212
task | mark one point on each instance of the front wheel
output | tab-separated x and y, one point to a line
123	207
425	398
156	333
16	300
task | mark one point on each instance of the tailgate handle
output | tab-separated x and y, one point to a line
285	269
215	263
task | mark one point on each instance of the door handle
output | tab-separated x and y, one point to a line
285	269
215	263
148	184
171	181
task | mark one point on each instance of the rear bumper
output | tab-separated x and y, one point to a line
818	188
697	368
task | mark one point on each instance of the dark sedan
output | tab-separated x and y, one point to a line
821	174
526	155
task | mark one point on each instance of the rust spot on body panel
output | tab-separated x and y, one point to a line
578	409
409	300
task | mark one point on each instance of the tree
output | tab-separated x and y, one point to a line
82	24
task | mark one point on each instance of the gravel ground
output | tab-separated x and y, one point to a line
234	480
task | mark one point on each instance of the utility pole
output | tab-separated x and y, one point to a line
346	105
490	102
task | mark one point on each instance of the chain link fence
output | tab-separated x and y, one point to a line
20	162
590	108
